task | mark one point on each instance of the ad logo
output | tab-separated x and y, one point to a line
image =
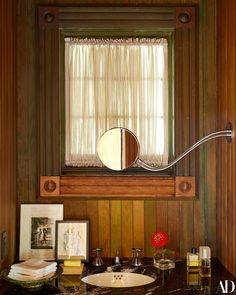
226	287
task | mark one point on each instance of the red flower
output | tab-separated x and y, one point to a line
159	239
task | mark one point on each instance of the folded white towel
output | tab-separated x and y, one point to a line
33	275
32	269
22	277
34	266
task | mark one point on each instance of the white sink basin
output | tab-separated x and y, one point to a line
118	279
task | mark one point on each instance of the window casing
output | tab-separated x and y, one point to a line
177	24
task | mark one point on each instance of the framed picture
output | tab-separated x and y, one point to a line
37	230
72	240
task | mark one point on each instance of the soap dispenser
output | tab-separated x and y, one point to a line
193	261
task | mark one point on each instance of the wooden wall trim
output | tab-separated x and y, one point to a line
110	187
8	110
226	168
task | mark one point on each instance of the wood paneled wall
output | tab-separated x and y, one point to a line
122	224
226	196
8	126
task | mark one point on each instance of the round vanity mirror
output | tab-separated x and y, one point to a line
118	148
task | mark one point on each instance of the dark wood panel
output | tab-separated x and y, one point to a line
27	111
138	224
150	225
174	229
104	227
99	214
48	98
186	224
226	176
92	216
116	227
205	209
127	227
8	129
210	125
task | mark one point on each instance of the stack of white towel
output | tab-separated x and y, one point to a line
32	269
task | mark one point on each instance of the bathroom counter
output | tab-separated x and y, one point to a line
175	281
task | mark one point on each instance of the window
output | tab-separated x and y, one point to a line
116	83
177	25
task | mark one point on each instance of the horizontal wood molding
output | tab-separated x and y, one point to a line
108	187
87	17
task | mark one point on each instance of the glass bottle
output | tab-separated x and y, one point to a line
205	261
193	261
164	259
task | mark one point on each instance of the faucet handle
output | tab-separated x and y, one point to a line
136	261
97	261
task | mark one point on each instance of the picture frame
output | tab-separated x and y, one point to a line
38	230
72	240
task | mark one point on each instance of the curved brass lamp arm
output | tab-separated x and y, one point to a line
224	133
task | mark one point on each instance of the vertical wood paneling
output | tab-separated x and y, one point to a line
205	209
150	225
210	121
162	215
174	229
92	216
116	243
123	224
231	86
198	225
75	210
27	111
138	224
127	227
48	98
8	127
181	104
104	227
186	226
226	176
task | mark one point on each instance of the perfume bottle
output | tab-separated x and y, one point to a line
193	261
204	261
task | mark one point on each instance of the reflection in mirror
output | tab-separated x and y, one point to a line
118	148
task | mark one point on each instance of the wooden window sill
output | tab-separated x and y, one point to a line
110	187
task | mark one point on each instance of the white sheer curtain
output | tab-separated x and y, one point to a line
116	83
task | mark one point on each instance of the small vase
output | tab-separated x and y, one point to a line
164	259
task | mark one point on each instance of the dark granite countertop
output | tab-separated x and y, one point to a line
175	281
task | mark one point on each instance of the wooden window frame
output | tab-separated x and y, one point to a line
56	22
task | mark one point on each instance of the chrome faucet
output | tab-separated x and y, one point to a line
136	261
97	261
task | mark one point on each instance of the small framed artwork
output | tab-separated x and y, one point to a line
72	240
38	230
